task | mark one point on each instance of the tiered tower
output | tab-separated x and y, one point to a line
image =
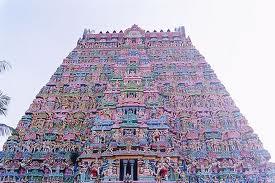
134	106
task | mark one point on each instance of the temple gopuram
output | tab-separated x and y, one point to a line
134	106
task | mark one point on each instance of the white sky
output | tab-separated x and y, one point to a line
236	37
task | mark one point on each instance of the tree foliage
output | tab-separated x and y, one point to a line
4	101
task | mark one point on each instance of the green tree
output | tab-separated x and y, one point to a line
4	101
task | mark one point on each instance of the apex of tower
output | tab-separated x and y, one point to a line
135	32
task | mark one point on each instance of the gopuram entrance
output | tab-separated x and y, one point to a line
134	106
128	169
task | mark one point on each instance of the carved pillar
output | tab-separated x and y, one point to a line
124	168
132	162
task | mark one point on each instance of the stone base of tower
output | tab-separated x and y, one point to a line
132	181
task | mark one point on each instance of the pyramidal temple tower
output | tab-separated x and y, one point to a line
134	106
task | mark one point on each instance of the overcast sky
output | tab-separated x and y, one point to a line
236	37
